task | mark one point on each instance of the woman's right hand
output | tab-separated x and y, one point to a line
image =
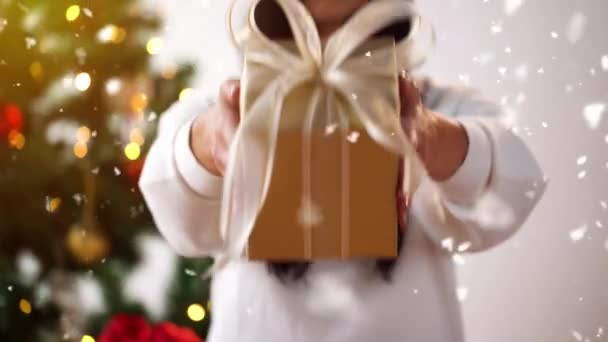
212	131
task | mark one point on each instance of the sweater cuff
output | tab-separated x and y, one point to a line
472	177
199	179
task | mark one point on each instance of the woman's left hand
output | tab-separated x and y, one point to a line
441	142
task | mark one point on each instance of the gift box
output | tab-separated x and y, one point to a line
314	166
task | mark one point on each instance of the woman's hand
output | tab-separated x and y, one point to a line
442	143
212	131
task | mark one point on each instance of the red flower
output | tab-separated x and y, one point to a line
169	332
124	328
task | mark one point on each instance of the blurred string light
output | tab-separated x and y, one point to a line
83	135
80	150
36	71
154	45
111	34
82	81
25	306
136	136
113	86
132	151
52	204
196	312
139	102
72	13
185	93
87	338
16	139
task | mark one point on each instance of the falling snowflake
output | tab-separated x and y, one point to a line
605	62
448	244
462	293
578	233
30	42
483	58
593	114
521	72
116	171
190	272
576	27
544	124
153	116
330	129
582	174
512	6
600	332
604	204
458	259
87	12
554	35
353	137
578	336
463	247
309	213
496	28
599	224
581	160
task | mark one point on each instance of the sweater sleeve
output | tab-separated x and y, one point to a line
183	197
495	189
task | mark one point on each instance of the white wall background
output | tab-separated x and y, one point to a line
543	59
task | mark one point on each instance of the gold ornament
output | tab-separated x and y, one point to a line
85	240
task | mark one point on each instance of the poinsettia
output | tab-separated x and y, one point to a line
125	328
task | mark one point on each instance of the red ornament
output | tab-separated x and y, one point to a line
125	328
11	119
133	168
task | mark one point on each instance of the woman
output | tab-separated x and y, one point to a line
481	175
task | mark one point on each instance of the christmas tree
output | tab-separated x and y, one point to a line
79	105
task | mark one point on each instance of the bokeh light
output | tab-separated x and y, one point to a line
87	338
196	312
154	45
185	93
132	151
80	150
82	81
72	13
136	136
25	306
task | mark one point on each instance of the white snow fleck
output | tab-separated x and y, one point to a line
576	27
578	336
512	6
582	174
448	244
462	293
592	113
578	233
581	160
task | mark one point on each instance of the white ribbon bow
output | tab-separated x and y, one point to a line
342	78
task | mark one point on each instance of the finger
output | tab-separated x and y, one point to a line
220	154
409	95
229	94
